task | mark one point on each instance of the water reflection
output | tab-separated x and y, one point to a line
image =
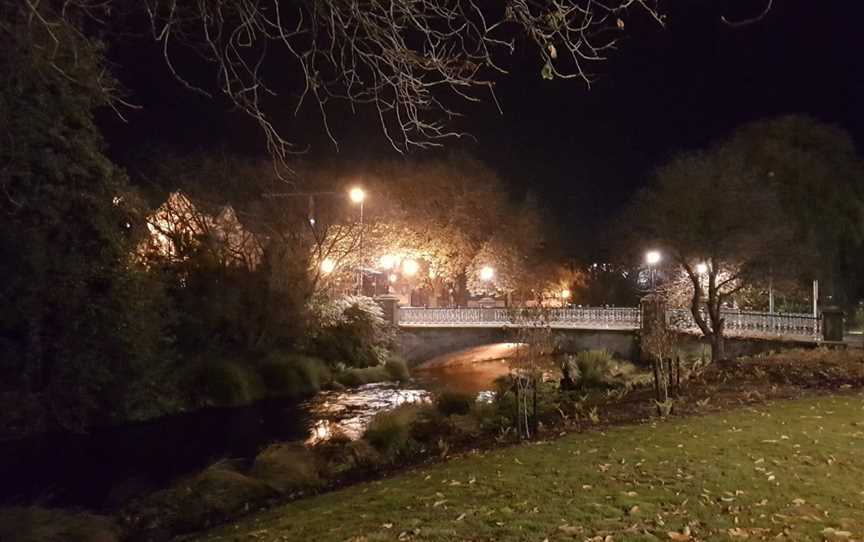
348	412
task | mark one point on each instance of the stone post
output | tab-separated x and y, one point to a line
653	307
832	324
390	305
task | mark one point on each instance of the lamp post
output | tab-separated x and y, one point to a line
357	195
652	258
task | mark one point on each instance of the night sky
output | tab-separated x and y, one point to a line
583	152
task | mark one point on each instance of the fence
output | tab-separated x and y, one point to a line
737	322
615	317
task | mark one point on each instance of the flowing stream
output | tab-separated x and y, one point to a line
106	467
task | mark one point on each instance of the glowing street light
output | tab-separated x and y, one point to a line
652	258
327	266
357	195
565	294
410	267
487	273
388	261
393	277
701	268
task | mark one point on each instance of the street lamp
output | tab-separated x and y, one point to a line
409	268
652	258
358	195
487	273
327	266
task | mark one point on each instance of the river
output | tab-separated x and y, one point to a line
106	467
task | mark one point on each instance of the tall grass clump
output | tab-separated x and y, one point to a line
221	382
390	432
34	524
293	375
286	467
594	368
394	369
451	402
216	494
397	368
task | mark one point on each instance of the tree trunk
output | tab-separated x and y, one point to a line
718	347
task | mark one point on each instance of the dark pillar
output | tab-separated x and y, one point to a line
832	324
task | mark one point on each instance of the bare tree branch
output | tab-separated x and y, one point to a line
751	20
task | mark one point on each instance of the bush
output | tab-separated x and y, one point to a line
35	524
492	418
364	455
430	426
390	432
397	369
454	402
222	383
293	375
351	329
367	375
210	497
595	368
286	467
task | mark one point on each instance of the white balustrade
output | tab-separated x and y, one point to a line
736	322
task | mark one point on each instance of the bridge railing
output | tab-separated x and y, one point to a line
737	322
755	322
620	317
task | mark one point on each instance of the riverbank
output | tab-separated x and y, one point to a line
416	436
788	469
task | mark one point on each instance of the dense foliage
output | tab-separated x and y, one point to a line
82	324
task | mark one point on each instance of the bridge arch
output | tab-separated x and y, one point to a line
423	343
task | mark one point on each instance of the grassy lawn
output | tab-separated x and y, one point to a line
789	470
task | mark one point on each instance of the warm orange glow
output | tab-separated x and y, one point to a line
357	195
565	294
487	273
388	261
410	267
328	265
393	277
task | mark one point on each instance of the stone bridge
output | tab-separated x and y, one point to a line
428	333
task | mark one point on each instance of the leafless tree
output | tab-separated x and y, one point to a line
720	225
413	61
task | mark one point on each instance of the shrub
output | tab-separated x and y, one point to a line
293	375
491	418
35	524
286	467
367	375
222	383
216	494
390	432
351	329
364	455
595	367
397	369
454	402
430	425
